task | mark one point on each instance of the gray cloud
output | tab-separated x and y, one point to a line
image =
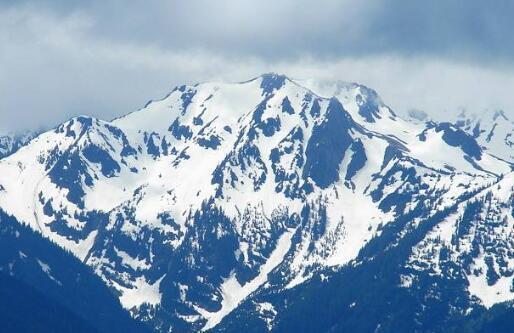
106	58
472	29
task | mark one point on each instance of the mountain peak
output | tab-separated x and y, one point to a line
271	82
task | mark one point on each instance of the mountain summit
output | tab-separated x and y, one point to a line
231	206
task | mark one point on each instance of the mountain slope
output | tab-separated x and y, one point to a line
221	202
54	291
24	309
407	280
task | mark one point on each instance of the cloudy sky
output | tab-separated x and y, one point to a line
108	57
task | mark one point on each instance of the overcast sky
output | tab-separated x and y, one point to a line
108	57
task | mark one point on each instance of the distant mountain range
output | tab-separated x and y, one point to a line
11	142
270	205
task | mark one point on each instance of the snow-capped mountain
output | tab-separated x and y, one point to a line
11	142
494	130
231	204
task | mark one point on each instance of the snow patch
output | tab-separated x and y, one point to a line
141	293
